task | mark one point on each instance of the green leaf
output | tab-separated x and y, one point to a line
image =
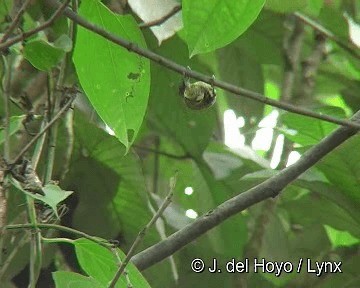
286	6
15	125
340	238
213	24
101	264
111	187
53	194
342	168
308	131
44	55
263	40
115	80
65	279
313	7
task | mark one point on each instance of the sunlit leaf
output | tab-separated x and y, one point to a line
115	80
101	264
73	280
213	24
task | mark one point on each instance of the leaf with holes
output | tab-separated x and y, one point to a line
116	81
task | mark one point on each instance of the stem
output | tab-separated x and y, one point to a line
97	240
161	20
143	232
33	140
15	22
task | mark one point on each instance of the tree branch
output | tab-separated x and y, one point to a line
15	21
23	36
33	140
161	20
348	46
269	188
196	75
143	232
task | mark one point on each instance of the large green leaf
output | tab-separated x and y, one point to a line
116	81
44	55
286	6
15	126
308	131
65	279
342	168
211	24
101	264
263	40
110	186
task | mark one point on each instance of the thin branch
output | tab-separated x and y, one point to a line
14	252
196	75
161	20
15	21
348	46
46	24
143	232
97	240
33	140
269	188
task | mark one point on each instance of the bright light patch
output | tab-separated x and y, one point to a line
354	31
189	190
263	137
191	214
233	138
109	130
279	145
293	157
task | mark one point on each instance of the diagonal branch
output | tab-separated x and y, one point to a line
269	188
15	21
161	20
196	75
27	34
47	127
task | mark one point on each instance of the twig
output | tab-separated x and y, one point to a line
196	75
14	252
27	34
33	140
269	188
143	232
97	240
161	20
348	46
15	21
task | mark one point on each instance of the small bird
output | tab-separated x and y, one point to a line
26	175
198	95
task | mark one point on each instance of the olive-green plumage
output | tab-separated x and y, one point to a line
198	95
